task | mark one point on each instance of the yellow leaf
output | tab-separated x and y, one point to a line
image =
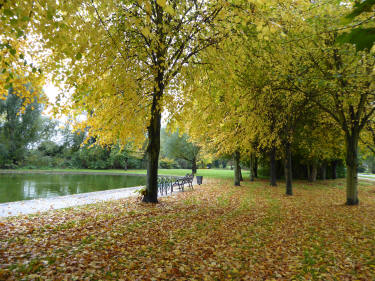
161	3
146	32
169	10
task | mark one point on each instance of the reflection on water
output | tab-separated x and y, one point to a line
29	190
16	187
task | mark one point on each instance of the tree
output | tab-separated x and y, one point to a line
125	62
210	112
335	78
20	127
339	80
178	146
16	70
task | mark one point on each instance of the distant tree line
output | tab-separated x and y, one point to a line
29	139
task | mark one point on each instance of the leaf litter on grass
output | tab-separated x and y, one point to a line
216	232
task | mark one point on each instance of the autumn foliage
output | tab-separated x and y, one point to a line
217	232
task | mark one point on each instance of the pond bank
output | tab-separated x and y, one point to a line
46	204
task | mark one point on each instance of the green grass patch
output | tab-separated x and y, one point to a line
209	173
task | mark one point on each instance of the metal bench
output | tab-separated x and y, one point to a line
166	184
180	182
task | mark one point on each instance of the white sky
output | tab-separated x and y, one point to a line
51	91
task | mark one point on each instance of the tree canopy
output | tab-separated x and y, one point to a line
251	79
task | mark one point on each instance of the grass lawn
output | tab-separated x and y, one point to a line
216	232
209	173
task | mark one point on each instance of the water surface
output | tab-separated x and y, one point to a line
25	186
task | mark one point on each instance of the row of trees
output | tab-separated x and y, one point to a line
282	88
249	78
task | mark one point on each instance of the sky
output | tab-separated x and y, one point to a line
51	91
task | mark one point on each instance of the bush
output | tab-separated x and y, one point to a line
167	163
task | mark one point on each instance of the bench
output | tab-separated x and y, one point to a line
166	183
180	182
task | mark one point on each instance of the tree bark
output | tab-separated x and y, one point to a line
273	167
126	164
237	168
194	166
153	146
334	172
255	167
314	171
351	146
324	171
252	164
288	169
309	173
153	130
241	177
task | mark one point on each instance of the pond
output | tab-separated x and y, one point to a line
25	186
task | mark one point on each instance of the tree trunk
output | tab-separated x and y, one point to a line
126	164
314	171
252	164
241	177
334	166
273	167
324	171
288	169
351	146
255	167
309	173
194	166
153	130
237	168
153	146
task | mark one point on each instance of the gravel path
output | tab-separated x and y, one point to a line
366	177
47	204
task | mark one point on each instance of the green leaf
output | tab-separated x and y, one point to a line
19	33
78	56
12	51
8	12
363	38
361	7
22	56
50	14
